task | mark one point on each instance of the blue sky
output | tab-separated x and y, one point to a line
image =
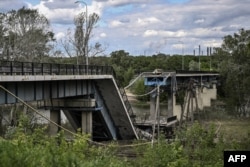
147	26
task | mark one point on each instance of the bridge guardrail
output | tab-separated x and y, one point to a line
32	68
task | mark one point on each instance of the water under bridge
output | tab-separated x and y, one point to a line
89	96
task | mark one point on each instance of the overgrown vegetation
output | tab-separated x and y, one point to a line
195	145
233	59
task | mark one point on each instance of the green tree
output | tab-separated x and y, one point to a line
128	75
200	146
163	154
83	31
27	35
3	30
193	66
140	89
121	61
120	58
233	59
174	62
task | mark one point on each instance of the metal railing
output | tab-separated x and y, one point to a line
127	104
32	68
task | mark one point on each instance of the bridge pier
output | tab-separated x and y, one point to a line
171	104
152	107
55	116
86	122
194	102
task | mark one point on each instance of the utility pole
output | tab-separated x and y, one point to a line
157	115
199	57
182	52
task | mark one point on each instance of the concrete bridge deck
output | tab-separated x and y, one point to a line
89	96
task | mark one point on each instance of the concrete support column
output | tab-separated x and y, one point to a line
171	101
87	122
214	96
55	116
152	108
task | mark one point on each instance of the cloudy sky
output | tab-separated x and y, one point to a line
146	27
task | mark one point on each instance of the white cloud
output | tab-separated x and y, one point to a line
103	35
60	35
149	33
55	15
147	21
116	23
198	21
